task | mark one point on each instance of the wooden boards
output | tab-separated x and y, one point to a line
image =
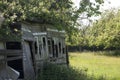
11	52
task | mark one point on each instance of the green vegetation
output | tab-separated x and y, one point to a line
97	65
102	34
59	13
59	72
106	32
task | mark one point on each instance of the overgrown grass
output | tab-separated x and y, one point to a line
97	65
59	72
115	53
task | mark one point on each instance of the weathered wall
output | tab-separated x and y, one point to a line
2	46
27	62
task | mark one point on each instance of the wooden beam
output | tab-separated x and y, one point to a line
10	52
14	58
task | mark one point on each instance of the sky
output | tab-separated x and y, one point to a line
113	4
108	4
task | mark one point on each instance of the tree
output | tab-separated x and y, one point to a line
59	13
106	31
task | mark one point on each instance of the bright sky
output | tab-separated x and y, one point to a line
108	4
112	4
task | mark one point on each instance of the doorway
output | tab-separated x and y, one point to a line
15	64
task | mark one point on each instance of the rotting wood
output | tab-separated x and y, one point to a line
14	58
11	52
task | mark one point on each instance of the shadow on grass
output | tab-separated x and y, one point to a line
115	53
59	72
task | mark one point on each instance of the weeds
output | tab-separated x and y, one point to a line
59	72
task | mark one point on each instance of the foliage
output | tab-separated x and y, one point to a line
102	34
59	13
61	72
113	53
6	34
97	64
106	32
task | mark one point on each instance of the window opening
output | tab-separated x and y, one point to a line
59	47
56	49
44	42
49	47
53	49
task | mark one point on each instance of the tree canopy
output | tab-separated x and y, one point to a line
59	13
104	33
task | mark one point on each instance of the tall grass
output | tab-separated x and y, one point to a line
60	72
97	63
114	53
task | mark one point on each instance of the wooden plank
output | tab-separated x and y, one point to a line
10	52
2	60
14	58
2	46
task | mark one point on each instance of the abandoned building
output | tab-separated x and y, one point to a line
39	43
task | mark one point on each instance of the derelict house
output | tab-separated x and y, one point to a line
17	55
49	45
39	43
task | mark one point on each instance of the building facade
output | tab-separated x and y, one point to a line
39	44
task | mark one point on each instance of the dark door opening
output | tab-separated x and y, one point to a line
18	63
18	66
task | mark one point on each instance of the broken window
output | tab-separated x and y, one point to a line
44	41
56	50
49	46
63	50
59	47
53	49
